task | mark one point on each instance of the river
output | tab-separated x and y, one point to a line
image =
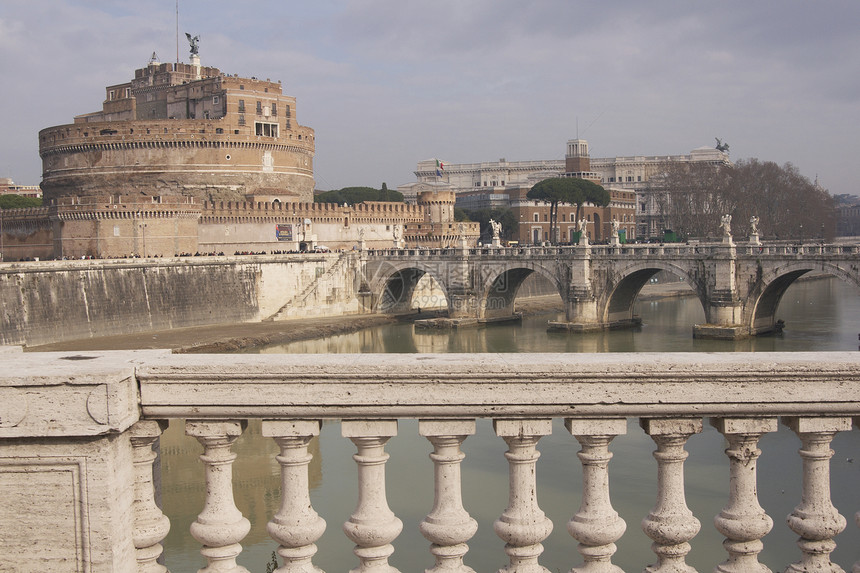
819	315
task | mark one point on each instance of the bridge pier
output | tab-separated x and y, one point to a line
724	312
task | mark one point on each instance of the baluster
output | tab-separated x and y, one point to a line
150	524
372	526
596	525
815	520
523	526
448	526
220	526
671	524
743	521
296	526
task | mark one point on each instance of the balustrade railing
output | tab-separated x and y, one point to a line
634	250
744	396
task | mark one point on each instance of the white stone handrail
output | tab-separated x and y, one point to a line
98	414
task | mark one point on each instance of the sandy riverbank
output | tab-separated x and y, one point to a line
237	336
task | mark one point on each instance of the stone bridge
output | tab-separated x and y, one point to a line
739	285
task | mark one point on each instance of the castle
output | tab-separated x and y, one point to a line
184	159
183	130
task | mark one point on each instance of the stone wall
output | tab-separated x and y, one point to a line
46	302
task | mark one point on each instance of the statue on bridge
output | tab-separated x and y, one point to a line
496	227
614	239
754	240
398	236
726	224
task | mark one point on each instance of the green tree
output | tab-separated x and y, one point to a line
353	195
461	215
571	190
18	202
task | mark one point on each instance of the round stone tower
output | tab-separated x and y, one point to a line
183	130
439	205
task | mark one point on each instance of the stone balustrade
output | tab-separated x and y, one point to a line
77	433
634	250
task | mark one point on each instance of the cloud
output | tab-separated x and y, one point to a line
387	83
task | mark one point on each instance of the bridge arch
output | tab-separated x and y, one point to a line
499	287
615	303
391	285
763	300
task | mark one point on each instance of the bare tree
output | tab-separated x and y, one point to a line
691	199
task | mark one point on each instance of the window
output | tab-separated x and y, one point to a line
215	100
266	129
127	92
111	95
274	109
537	217
241	106
288	112
241	120
259	108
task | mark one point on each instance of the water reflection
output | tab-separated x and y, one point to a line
819	315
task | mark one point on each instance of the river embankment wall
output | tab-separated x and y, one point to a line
52	301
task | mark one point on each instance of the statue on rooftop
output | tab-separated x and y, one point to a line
195	42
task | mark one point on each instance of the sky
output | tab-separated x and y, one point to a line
388	83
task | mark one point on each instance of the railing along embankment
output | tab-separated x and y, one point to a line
95	416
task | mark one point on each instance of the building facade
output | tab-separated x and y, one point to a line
506	185
476	183
8	187
183	130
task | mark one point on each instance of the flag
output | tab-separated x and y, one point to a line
439	167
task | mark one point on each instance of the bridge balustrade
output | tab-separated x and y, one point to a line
130	397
